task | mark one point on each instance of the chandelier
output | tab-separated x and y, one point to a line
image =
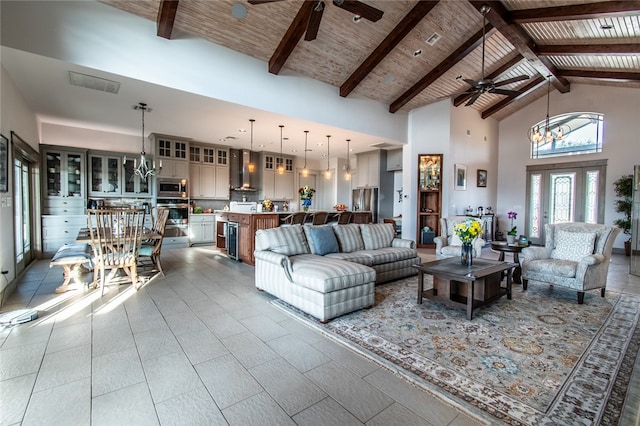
536	135
347	173
141	167
305	171
327	172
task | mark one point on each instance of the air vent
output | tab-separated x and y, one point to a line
384	145
433	39
93	82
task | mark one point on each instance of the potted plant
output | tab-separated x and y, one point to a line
513	232
624	190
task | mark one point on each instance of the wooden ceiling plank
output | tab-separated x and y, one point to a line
602	75
291	38
510	63
404	27
166	17
588	49
467	47
498	16
529	87
575	12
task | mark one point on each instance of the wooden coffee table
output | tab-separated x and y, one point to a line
470	287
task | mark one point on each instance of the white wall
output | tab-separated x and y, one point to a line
53	134
15	116
621	146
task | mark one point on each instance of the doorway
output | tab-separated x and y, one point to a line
567	192
25	190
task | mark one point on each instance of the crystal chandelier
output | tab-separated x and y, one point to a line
347	173
141	167
536	135
305	171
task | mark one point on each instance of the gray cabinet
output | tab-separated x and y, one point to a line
60	229
394	160
104	174
208	172
276	186
202	229
368	169
172	155
132	184
63	173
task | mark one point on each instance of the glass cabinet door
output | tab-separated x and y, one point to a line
429	172
113	174
134	184
104	175
74	174
54	174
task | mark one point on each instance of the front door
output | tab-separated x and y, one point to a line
558	193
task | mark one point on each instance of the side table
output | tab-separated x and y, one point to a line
503	247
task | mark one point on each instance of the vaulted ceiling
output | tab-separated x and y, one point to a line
394	60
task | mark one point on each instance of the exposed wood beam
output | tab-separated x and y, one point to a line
404	27
522	42
527	88
166	17
602	75
291	37
467	47
514	60
588	49
575	11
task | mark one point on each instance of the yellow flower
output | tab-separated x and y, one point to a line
468	230
267	204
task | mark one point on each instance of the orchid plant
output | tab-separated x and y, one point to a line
514	229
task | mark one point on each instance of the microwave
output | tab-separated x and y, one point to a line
172	188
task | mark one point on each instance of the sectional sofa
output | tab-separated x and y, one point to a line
330	270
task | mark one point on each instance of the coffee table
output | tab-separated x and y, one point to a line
464	286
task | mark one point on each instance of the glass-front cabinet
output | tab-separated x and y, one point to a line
133	184
429	198
104	174
64	173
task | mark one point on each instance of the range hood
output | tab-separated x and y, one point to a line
241	179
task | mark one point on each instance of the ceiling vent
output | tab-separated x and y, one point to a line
433	39
384	145
93	82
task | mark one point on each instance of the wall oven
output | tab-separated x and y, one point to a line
172	188
176	231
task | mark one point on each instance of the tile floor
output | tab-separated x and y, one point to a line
200	346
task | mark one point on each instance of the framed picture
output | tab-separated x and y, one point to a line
4	164
460	176
482	178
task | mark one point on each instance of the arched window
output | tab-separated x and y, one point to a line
567	134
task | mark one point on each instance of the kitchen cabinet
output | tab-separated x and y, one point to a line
368	169
63	173
173	155
202	229
174	169
104	175
277	186
394	160
208	172
248	225
133	184
429	196
58	230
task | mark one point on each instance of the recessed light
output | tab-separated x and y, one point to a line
242	130
319	144
356	19
238	10
389	79
417	52
262	145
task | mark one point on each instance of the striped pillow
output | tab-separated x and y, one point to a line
377	235
287	240
349	238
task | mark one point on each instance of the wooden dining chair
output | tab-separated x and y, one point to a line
116	236
344	218
150	249
393	222
296	218
320	218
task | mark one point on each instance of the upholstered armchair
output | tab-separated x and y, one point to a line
448	244
576	255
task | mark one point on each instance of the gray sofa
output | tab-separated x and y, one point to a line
327	271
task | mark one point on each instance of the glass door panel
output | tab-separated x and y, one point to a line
54	179
74	176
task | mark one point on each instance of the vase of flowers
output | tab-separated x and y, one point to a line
306	194
267	205
467	231
511	235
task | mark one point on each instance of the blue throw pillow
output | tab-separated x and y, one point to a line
322	239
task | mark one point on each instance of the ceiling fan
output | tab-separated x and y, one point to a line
487	85
359	9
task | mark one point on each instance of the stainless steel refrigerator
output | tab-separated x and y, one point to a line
365	200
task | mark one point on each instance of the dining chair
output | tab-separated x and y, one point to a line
295	218
344	218
320	218
151	249
116	236
393	222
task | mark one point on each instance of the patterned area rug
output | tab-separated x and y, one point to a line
539	358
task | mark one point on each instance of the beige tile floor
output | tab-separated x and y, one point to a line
200	346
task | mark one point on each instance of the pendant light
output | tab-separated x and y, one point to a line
347	173
535	134
251	166
327	173
305	171
281	165
141	167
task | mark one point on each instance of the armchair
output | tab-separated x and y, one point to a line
576	255
448	244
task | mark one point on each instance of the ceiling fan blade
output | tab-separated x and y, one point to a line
511	80
505	92
262	1
369	13
314	23
470	82
473	99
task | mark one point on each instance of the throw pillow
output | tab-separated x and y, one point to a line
377	235
287	240
573	245
349	238
321	239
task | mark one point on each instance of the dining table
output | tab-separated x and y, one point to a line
84	235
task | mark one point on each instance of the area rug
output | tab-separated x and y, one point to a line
539	358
